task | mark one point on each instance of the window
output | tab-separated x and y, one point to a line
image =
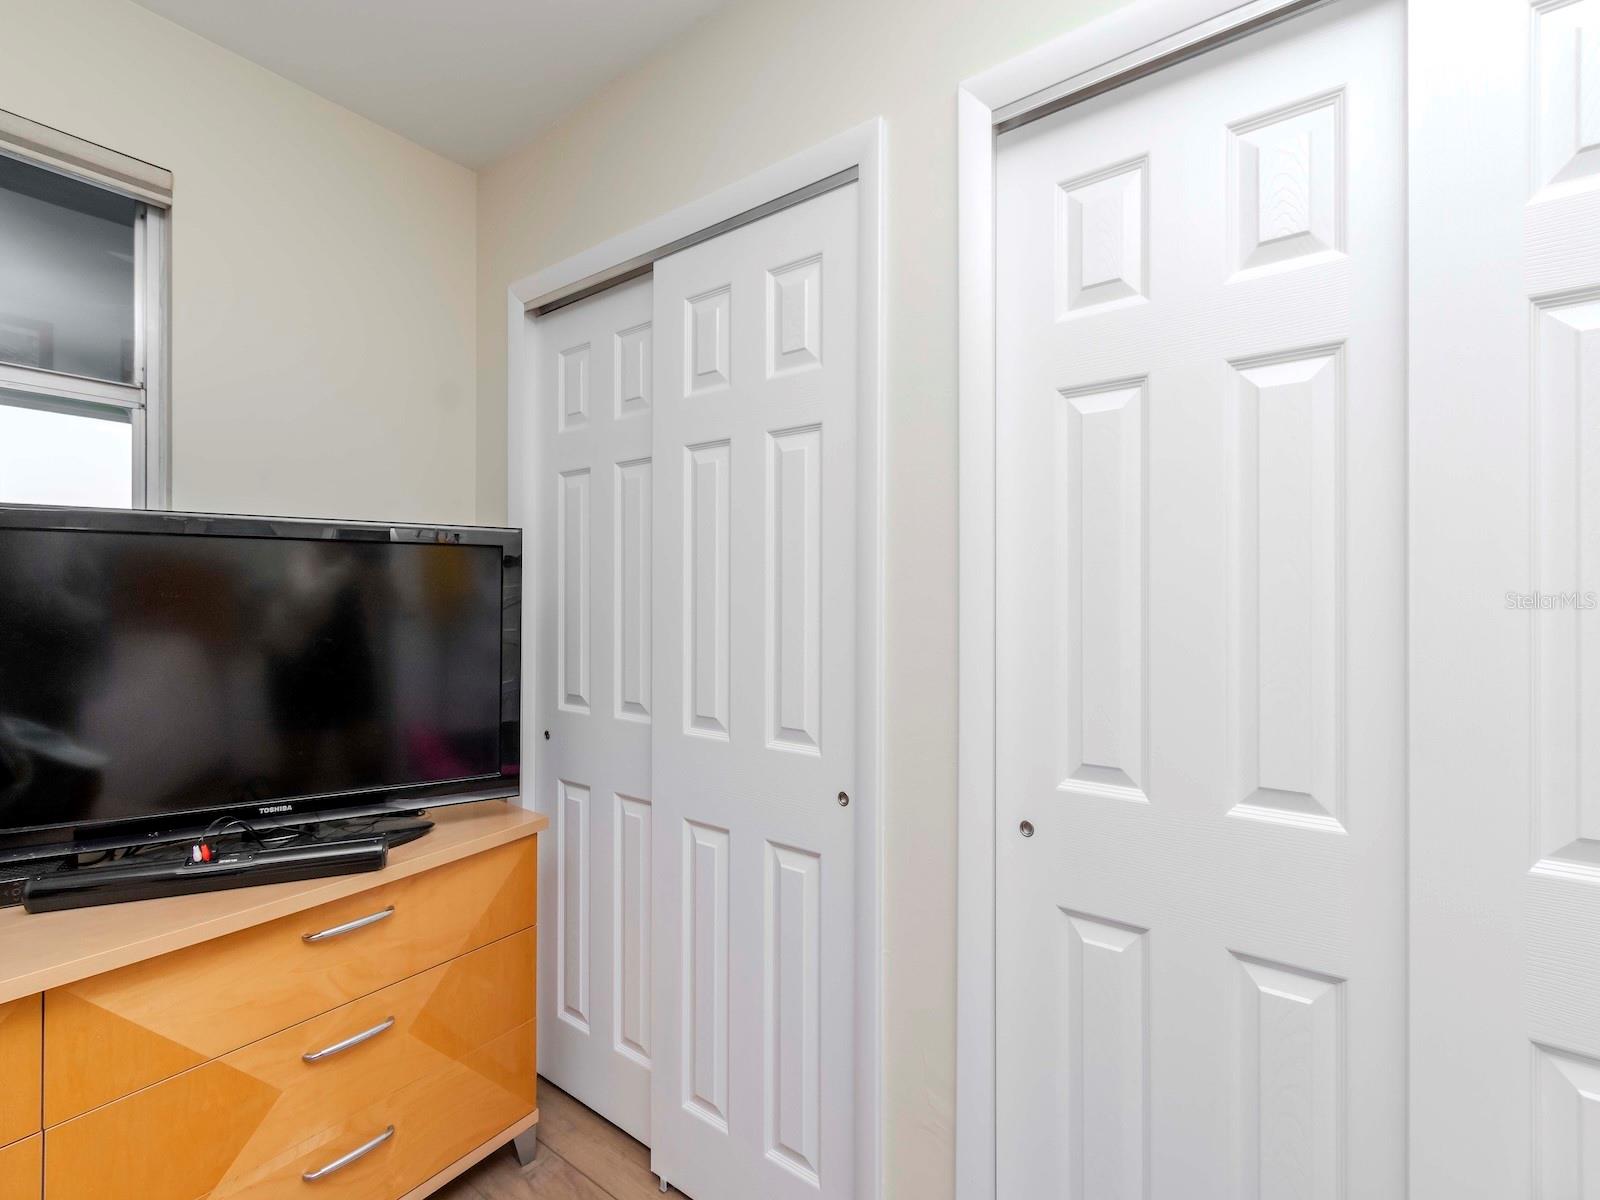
82	322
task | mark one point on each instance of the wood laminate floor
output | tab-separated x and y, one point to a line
582	1156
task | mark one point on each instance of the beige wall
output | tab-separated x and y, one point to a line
323	268
324	308
759	81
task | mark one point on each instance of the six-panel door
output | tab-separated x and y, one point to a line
1505	600
755	732
595	698
1200	611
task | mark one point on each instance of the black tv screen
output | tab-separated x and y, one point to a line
155	666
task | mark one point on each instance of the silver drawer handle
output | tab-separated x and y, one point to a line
351	1042
355	1155
348	926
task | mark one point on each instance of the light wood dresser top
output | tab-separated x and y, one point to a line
46	950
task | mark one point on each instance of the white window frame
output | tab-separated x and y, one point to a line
146	399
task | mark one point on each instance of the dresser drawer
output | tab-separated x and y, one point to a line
113	1034
435	1123
19	1070
224	1127
19	1169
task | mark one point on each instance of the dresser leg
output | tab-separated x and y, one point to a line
526	1145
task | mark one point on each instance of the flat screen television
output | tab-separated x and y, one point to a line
161	670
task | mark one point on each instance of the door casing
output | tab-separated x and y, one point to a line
860	150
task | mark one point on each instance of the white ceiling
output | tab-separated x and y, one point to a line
468	78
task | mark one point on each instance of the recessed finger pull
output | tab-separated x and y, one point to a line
1027	828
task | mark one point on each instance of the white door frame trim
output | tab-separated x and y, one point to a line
861	149
1124	45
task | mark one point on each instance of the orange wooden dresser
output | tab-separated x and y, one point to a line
368	1036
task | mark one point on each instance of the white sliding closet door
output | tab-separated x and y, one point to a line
1201	618
755	714
594	699
1505	600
